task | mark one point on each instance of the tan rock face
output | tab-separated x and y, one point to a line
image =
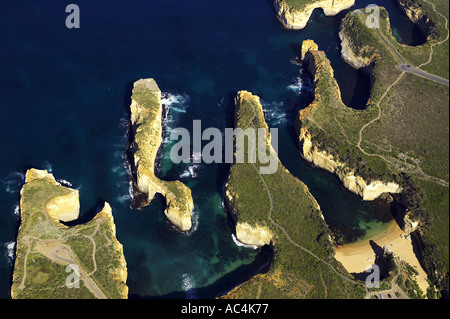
297	18
308	45
254	235
146	116
64	208
352	182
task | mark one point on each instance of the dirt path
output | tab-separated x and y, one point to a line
269	194
416	71
56	251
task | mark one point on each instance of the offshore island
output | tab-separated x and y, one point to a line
146	137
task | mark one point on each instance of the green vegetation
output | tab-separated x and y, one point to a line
45	248
298	4
303	266
146	113
402	135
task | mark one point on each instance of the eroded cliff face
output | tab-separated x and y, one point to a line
247	233
349	179
64	207
319	67
146	115
417	14
297	18
348	54
120	272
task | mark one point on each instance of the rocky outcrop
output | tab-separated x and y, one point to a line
308	45
63	208
247	233
348	54
146	115
297	17
409	226
254	235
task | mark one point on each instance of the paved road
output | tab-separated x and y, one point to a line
409	68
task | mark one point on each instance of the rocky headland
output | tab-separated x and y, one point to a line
54	260
322	72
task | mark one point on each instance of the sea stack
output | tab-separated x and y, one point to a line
146	131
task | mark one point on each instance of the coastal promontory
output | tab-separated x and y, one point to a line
276	209
146	130
57	261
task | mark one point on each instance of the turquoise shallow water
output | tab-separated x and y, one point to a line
64	97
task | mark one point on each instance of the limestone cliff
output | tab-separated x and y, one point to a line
65	207
351	181
146	115
247	233
54	260
353	51
320	68
296	17
417	14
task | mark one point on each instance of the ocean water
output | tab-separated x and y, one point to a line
64	97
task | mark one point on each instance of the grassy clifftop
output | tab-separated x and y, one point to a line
146	116
401	136
46	247
303	266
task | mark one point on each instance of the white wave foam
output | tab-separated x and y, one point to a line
238	243
65	183
173	103
188	285
48	167
296	87
17	210
274	112
13	182
10	251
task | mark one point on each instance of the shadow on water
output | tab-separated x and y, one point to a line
225	283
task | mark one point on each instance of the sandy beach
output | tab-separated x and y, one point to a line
356	257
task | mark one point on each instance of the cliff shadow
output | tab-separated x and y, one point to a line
87	216
382	260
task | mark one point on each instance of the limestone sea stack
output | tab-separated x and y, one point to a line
146	130
296	16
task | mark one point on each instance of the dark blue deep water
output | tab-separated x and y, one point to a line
64	97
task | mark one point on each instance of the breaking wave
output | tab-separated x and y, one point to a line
297	86
274	112
238	243
188	286
13	182
10	251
